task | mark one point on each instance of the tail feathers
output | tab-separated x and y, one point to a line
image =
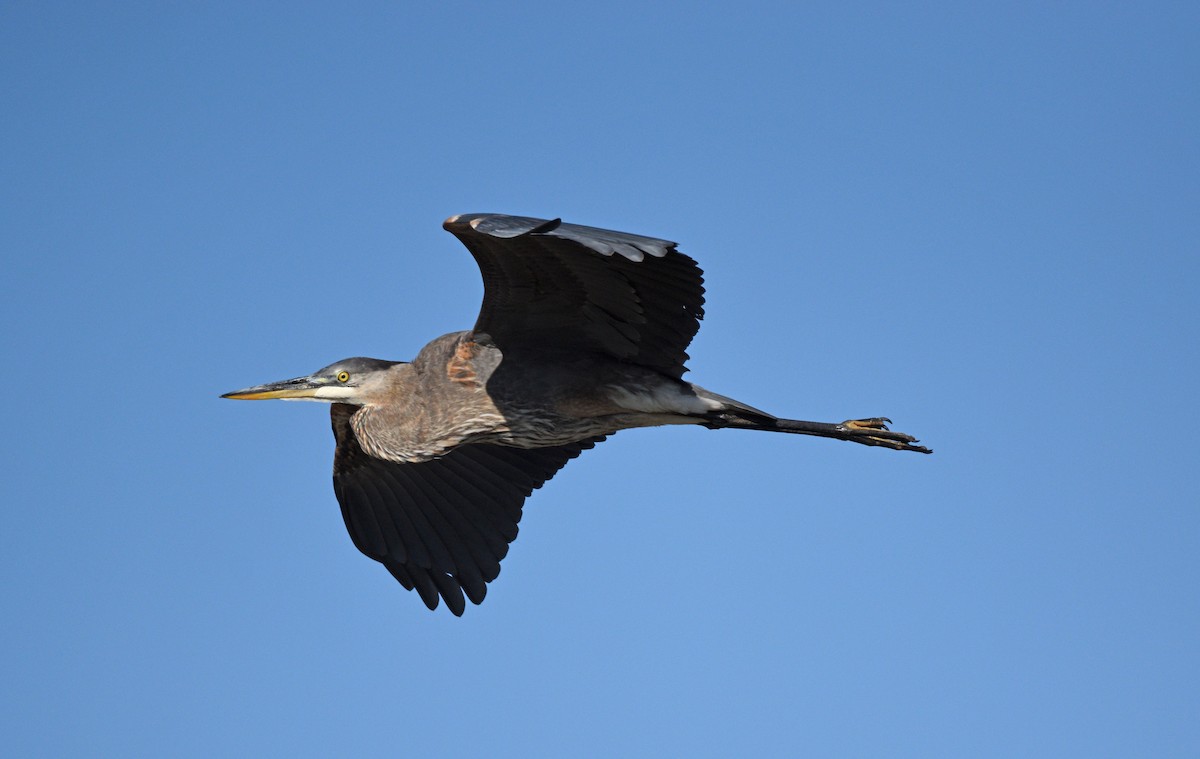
727	407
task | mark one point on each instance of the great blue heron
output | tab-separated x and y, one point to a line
581	334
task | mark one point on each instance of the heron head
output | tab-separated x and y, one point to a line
352	380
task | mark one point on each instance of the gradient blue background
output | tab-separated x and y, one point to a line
982	223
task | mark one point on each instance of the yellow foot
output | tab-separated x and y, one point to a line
875	431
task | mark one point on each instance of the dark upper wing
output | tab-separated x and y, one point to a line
549	285
440	526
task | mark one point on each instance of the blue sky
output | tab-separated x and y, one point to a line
979	222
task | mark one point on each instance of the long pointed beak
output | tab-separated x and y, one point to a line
294	389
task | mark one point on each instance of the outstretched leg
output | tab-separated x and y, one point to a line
873	431
658	400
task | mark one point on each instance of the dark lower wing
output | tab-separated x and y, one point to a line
441	527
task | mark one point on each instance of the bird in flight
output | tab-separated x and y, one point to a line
582	333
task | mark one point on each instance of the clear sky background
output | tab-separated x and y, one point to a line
982	223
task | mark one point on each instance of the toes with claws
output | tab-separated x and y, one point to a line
874	431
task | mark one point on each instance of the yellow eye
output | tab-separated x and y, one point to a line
343	376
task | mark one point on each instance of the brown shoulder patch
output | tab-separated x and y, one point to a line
461	368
